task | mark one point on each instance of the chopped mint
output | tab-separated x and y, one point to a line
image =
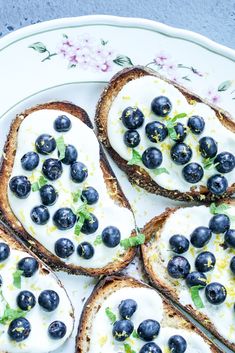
38	184
171	123
98	240
133	241
82	214
209	163
76	195
61	147
194	291
128	348
10	314
17	278
136	158
159	171
111	315
135	334
222	208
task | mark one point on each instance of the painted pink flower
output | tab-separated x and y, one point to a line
161	58
213	96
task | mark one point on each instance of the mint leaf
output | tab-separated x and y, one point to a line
10	314
135	334
159	171
98	240
136	158
111	315
194	291
209	162
61	147
38	184
76	195
17	278
171	123
133	241
128	348
172	133
82	214
178	116
222	208
79	224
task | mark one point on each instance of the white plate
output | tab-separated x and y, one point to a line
72	59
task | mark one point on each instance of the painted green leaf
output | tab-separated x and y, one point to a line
39	47
104	42
225	85
123	60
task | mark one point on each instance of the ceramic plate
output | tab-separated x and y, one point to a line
73	59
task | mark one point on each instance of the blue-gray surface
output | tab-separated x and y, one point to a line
212	18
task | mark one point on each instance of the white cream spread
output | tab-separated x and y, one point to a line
140	93
150	306
183	222
106	210
38	340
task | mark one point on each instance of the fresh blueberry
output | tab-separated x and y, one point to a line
30	161
45	144
215	293
196	279
161	106
217	184
131	138
177	344
19	329
4	251
40	215
122	329
178	267
156	131
193	173
111	236
181	132
90	225
200	237
28	265
48	195
62	123
57	330
224	162
132	118
71	155
181	153
219	223
48	300
232	265
127	308
152	158
64	218
205	261
207	147
0	280
179	243
148	330
52	168
150	347
196	124
26	300
20	186
64	248
90	195
85	250
229	238
78	172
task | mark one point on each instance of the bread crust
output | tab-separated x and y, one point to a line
9	219
136	174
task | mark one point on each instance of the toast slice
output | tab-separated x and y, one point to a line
93	337
36	279
111	204
217	317
136	88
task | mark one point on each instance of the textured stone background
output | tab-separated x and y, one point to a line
212	18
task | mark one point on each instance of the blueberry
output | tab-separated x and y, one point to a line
40	215
217	184
45	144
232	265
90	225
26	300
90	195
57	330
20	186
64	218
205	261
150	347
78	172
196	279
131	138
207	147
30	161
111	236
19	329
28	265
229	238
196	124
64	248
178	267
132	118
127	308
52	168
181	132
48	195
215	293
161	106
62	123
219	223
200	237
0	280
179	244
152	158
71	155
148	329
193	173
224	162
122	329
48	300
4	251
156	131
177	344
85	250
181	153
